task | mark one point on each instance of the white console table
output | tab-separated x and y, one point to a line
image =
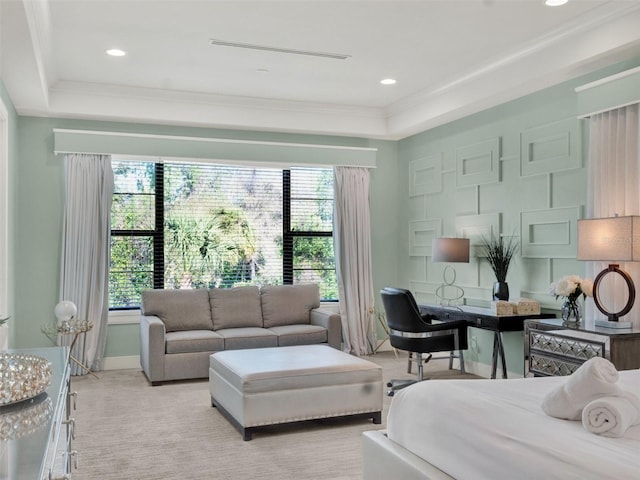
41	451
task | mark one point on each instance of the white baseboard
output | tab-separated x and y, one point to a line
121	363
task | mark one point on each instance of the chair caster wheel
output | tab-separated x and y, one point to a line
390	393
389	384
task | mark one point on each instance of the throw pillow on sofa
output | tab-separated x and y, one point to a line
288	304
235	307
179	310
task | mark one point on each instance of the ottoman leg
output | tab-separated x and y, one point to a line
377	418
244	431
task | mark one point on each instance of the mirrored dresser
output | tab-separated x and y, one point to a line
552	349
36	434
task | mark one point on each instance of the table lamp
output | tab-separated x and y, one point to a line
613	239
449	250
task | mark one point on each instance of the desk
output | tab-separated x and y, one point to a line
485	319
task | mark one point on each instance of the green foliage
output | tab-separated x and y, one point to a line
222	228
130	269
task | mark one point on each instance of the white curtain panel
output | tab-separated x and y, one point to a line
352	248
614	188
84	268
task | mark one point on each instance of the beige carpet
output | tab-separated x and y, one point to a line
127	429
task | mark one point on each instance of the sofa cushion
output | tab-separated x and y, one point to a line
300	334
235	307
247	337
179	309
288	304
194	341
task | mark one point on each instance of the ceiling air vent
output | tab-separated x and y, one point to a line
223	43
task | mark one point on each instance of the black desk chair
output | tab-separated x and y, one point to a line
414	333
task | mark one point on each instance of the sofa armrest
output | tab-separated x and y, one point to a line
152	347
330	320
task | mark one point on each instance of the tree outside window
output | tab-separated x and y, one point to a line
179	225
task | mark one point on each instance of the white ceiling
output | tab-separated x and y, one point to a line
451	58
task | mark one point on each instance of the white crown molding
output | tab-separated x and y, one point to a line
83	100
601	37
581	25
23	66
561	56
39	23
173	96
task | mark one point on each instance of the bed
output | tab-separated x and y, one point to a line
493	429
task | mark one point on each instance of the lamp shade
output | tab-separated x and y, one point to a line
452	250
609	239
65	310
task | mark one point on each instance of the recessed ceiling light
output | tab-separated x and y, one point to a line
388	81
116	52
555	3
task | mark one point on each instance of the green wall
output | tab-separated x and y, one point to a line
402	216
40	212
518	169
12	141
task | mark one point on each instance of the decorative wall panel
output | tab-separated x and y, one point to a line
478	164
475	227
550	233
425	175
550	148
421	234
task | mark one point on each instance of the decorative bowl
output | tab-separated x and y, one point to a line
22	419
22	376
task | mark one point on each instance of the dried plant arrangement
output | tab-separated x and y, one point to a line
499	254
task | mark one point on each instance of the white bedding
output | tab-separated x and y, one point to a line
496	429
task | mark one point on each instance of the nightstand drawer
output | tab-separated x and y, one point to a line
552	348
553	366
570	348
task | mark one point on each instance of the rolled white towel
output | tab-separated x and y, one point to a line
595	378
612	416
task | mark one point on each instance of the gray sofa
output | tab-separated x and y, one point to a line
180	329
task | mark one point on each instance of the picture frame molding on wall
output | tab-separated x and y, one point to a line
556	228
425	175
478	163
551	147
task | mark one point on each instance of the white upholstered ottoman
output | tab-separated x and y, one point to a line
266	386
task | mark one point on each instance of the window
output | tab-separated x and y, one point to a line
180	225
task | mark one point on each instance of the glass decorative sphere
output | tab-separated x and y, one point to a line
65	310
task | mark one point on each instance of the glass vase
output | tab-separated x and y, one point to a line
571	313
